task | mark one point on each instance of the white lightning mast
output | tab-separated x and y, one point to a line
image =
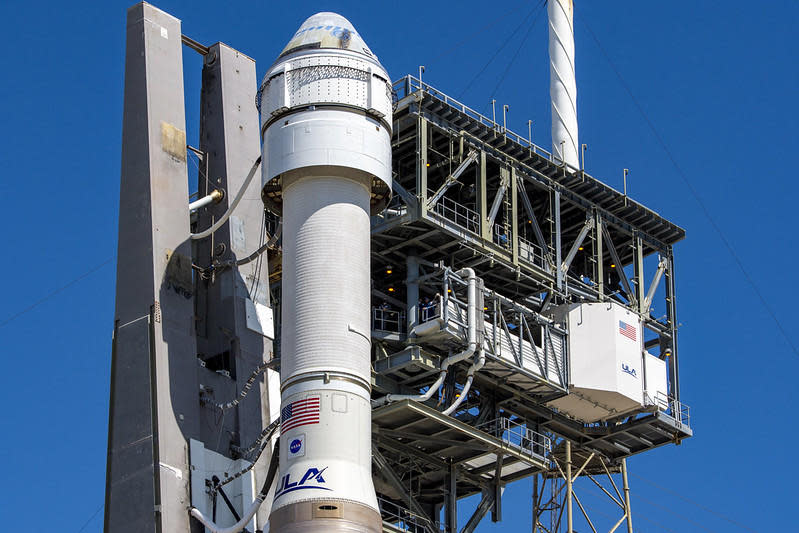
562	83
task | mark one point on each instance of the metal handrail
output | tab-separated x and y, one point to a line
518	436
458	214
389	320
531	252
668	405
410	84
405	519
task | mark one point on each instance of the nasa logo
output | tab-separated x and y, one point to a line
627	370
311	480
295	446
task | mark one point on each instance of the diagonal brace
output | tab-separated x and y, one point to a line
453	178
492	213
588	226
662	264
482	508
615	255
396	483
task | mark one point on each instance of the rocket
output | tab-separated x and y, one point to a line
326	115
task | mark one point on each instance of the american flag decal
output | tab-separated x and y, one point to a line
299	413
627	330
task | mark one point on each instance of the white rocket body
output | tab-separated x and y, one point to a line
326	128
562	82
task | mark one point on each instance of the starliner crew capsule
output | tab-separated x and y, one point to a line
326	128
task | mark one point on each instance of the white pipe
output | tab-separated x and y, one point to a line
235	528
214	197
477	365
253	508
471	323
233	205
562	82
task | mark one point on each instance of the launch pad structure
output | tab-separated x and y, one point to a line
512	326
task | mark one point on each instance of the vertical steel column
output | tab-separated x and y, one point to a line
514	210
558	253
640	281
421	164
482	199
671	310
627	496
412	291
452	499
154	395
569	491
535	503
599	255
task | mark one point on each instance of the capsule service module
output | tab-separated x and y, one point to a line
326	127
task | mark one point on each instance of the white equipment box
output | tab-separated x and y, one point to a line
607	374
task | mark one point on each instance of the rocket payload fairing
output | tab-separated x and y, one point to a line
326	110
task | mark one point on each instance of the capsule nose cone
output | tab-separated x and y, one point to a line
327	30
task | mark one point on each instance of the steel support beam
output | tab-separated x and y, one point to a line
569	489
452	499
558	238
589	224
452	179
482	198
650	294
498	199
640	287
394	480
599	256
528	207
514	216
619	267
486	502
626	488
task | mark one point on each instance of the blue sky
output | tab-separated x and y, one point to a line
717	79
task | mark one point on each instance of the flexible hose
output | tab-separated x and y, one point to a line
246	389
472	317
479	362
233	205
267	245
245	519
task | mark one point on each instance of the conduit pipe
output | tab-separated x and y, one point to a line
250	512
233	205
479	362
471	327
215	197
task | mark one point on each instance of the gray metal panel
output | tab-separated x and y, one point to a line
229	135
153	397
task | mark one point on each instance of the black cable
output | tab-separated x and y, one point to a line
91	518
693	191
474	34
516	55
247	386
502	46
706	509
55	292
266	434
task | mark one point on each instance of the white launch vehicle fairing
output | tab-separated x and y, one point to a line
326	111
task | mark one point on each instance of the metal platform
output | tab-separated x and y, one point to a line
437	443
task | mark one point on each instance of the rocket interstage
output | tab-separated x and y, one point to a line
326	127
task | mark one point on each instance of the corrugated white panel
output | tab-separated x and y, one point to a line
325	277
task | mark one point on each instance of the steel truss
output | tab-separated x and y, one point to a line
554	494
470	193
